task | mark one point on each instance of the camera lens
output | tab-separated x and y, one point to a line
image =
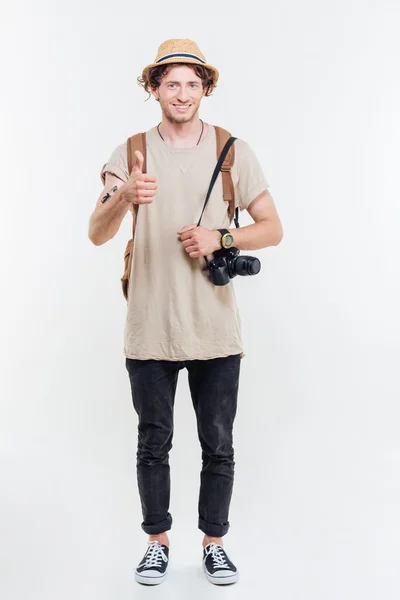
247	265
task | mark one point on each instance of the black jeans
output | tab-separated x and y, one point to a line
214	389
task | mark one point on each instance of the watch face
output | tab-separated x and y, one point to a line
227	240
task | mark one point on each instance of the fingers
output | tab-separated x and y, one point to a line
187	235
143	177
193	252
186	229
146	185
193	241
146	193
188	244
144	196
192	249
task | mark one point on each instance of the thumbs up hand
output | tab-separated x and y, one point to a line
141	187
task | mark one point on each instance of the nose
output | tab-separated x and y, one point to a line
184	95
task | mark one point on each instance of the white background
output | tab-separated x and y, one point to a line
314	88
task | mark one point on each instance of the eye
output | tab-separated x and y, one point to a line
171	85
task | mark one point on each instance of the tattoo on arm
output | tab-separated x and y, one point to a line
108	195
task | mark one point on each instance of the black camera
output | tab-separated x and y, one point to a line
227	263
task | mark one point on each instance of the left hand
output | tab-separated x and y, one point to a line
199	241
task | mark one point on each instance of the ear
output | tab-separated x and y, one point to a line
154	92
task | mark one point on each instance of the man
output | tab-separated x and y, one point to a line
176	317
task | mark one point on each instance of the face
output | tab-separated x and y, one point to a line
180	94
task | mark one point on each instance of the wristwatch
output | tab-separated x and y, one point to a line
227	240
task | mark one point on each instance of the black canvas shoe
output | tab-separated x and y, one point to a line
152	569
217	566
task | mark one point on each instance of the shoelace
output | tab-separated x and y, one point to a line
155	555
218	556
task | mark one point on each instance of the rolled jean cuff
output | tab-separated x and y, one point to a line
213	529
157	528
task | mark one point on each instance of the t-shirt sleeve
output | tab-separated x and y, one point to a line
117	164
251	179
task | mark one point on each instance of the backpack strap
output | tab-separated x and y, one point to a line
136	142
227	183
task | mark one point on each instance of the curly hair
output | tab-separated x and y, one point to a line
153	77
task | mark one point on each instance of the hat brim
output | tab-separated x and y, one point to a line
182	61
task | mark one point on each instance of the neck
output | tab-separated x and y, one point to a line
182	135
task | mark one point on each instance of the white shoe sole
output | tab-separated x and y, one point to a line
221	580
149	580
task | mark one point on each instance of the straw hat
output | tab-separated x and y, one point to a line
180	51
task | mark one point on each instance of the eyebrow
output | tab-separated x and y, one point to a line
178	82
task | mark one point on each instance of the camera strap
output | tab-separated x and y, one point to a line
214	177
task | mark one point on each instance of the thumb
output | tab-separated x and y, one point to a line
139	160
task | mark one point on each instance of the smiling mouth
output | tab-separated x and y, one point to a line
182	107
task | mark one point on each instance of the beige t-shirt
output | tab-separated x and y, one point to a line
174	311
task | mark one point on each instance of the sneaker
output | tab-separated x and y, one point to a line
217	566
153	566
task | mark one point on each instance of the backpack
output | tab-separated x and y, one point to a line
138	142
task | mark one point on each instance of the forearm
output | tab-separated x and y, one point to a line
267	232
106	219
